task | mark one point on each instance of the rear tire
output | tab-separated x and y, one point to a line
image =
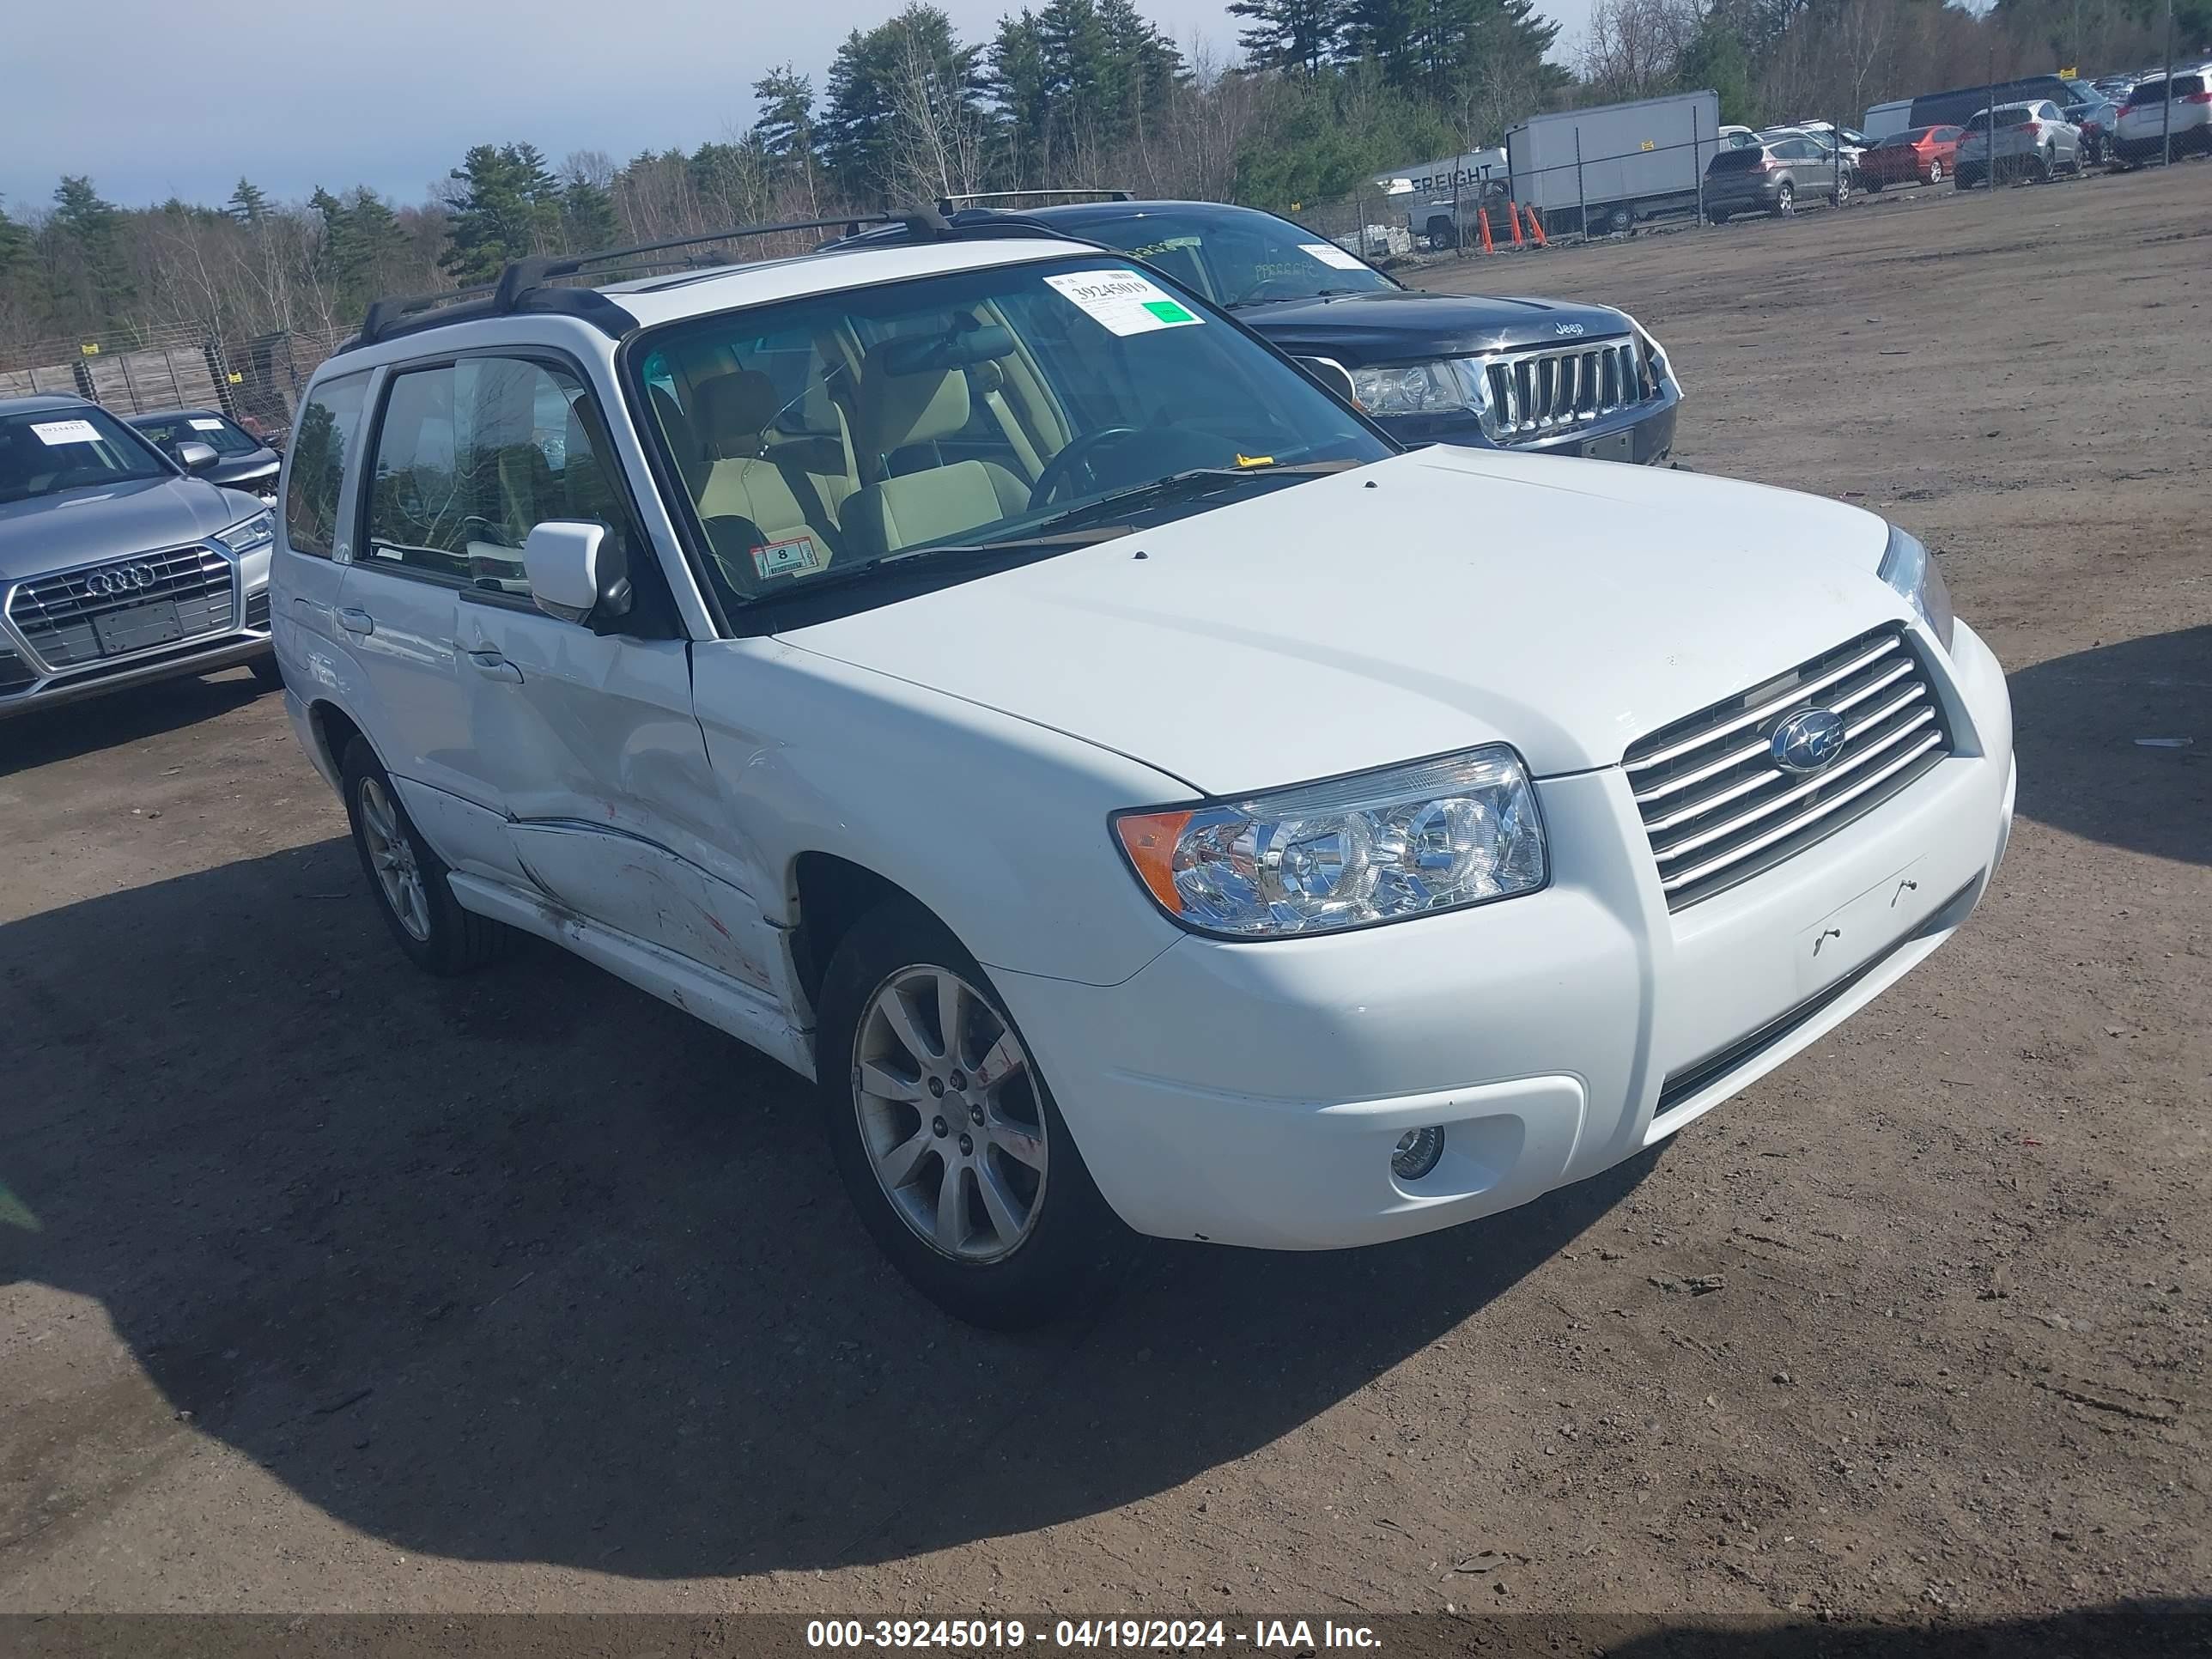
1024	1235
407	879
1873	187
1785	200
1718	216
1935	172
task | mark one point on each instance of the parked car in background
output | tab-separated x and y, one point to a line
2182	106
1846	144
1541	376
2033	142
2097	116
1403	835
1735	137
1918	155
1780	175
242	461
117	565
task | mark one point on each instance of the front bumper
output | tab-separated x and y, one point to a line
1642	433
1252	1093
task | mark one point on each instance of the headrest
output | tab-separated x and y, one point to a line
897	410
733	409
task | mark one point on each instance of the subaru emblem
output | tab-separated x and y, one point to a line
1808	740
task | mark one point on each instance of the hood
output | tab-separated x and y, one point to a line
1434	601
81	526
1402	325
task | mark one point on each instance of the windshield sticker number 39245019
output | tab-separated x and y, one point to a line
1123	303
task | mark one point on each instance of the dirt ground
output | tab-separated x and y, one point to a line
325	1285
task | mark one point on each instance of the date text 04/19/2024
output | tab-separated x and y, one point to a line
1122	1635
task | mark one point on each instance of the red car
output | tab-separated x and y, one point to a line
1923	155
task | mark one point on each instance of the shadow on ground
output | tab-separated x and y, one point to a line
2077	719
42	736
529	1267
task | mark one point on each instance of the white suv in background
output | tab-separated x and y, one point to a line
993	682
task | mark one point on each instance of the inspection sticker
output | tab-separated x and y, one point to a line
59	433
791	557
199	425
1122	302
1330	254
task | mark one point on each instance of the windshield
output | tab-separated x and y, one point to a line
1238	257
819	438
217	433
44	452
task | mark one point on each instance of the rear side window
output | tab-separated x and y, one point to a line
322	438
1737	161
469	456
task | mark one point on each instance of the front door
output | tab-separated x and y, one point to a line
587	742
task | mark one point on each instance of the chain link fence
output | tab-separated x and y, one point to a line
256	381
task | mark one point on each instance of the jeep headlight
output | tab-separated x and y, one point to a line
1907	567
1444	386
1319	858
250	535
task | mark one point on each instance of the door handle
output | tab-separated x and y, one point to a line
355	620
491	664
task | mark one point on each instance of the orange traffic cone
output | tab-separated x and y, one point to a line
1482	226
1513	218
1536	228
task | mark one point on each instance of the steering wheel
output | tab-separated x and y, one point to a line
1061	468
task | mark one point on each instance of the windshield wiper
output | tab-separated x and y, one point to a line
1192	481
1286	299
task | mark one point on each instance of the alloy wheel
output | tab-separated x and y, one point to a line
950	1116
391	855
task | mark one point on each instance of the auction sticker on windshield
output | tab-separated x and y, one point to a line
1329	254
1121	301
206	426
57	433
791	557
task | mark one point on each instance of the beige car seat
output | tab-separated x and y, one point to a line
897	411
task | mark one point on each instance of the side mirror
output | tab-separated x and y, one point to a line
1332	374
195	457
574	574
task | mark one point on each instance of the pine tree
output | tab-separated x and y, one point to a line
784	127
904	111
96	290
1303	35
508	207
247	204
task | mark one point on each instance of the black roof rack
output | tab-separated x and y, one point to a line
946	204
521	285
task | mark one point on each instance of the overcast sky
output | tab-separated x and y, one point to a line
156	98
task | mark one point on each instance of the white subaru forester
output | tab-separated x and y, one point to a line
982	675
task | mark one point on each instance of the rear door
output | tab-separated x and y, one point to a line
308	562
586	743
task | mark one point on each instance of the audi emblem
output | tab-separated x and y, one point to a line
114	583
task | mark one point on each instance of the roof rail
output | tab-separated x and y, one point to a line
520	279
946	204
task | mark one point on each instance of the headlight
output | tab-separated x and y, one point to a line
1906	566
1437	834
1444	386
250	535
1654	355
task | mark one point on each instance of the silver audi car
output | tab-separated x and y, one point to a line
119	565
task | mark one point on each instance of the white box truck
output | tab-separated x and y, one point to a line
1608	169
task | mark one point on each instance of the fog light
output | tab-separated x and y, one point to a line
1418	1153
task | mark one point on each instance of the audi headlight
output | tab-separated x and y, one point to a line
250	535
1318	858
1442	387
1906	566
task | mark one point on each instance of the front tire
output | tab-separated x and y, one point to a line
407	878
945	1134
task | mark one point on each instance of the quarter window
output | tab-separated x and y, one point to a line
322	436
470	456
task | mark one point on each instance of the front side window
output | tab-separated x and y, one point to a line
821	438
469	456
47	452
322	439
1237	257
